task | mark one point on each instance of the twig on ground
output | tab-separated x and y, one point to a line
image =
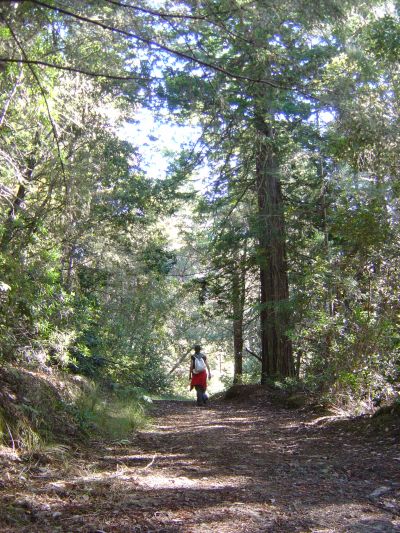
11	437
151	462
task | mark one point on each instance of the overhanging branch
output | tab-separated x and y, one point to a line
253	354
42	91
74	69
152	12
150	43
182	358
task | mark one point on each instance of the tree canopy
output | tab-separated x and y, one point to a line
273	236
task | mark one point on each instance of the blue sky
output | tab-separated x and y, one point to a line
157	141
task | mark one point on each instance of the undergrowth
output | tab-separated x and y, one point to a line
41	413
113	415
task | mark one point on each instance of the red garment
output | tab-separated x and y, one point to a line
199	379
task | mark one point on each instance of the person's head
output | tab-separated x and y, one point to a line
197	348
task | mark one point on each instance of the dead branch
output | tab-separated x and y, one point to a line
253	354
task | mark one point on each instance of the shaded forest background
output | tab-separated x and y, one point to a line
272	238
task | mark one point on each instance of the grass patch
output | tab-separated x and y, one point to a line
38	410
173	397
112	416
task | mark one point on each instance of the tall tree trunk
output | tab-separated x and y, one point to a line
276	348
18	203
68	265
11	96
238	350
238	300
9	224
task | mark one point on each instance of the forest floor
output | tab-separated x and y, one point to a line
245	466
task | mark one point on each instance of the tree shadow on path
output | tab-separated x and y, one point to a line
225	468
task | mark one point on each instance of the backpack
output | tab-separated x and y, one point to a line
199	365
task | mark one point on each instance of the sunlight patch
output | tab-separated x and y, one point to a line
159	481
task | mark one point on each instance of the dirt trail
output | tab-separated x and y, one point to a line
250	467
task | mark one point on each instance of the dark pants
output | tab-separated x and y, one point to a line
201	395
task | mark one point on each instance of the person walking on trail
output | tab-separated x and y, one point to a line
198	375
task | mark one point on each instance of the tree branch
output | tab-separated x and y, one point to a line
74	69
179	361
161	14
10	97
165	15
232	209
150	43
53	126
253	354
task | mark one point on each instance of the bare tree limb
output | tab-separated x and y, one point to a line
253	354
74	69
179	361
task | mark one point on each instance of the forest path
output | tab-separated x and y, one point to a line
251	467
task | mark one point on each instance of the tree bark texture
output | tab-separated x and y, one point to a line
276	348
237	328
18	203
238	301
238	349
14	210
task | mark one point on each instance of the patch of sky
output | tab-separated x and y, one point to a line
136	60
200	72
275	40
388	8
159	142
314	40
322	118
159	4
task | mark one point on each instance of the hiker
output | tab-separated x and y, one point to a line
198	374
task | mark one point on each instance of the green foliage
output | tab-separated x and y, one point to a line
90	281
86	276
114	415
39	409
383	38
